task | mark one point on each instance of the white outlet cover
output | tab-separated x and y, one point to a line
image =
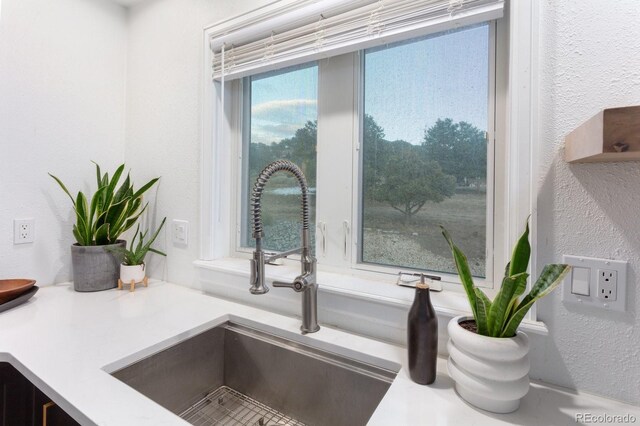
24	231
180	232
592	301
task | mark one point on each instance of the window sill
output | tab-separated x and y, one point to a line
360	286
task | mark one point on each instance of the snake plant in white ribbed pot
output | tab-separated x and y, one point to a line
488	356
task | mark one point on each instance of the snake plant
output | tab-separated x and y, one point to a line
502	316
135	254
111	210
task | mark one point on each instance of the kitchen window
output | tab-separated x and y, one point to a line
279	122
428	98
424	143
418	159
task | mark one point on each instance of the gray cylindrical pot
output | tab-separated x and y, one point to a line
95	268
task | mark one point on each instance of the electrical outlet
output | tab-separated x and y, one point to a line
607	285
23	231
596	283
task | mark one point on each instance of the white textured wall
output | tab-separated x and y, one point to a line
62	104
164	111
590	59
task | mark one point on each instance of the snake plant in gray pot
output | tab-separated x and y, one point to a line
488	356
101	219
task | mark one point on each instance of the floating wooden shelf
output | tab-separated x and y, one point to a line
611	135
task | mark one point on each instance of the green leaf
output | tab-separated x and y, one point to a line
463	271
115	211
135	234
81	205
483	305
122	191
521	254
83	219
81	227
98	174
549	279
155	235
511	310
95	201
135	205
101	218
116	227
512	324
157	252
64	188
109	195
141	241
78	236
132	220
512	288
102	235
144	188
136	253
129	223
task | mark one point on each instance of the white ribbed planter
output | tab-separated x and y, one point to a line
490	373
131	272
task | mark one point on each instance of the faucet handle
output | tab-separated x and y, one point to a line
297	285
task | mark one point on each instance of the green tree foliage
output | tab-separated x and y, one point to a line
410	180
301	149
401	174
375	155
460	149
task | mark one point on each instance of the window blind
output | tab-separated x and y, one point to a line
309	30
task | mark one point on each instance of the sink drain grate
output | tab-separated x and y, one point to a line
225	406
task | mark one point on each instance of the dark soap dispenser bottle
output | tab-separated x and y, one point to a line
422	337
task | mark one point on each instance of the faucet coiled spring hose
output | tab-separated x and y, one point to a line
258	188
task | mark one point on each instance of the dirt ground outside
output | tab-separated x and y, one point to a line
388	239
418	242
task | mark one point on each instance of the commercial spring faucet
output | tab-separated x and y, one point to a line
304	283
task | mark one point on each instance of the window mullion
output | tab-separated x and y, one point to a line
336	106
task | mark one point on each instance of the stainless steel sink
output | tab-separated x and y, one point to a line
233	374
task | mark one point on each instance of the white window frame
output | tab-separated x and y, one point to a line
492	234
346	74
518	128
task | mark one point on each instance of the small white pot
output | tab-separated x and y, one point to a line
131	272
490	373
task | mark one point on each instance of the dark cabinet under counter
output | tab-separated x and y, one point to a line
23	404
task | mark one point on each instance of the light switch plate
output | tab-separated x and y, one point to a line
575	283
581	281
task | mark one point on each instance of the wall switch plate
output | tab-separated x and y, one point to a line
180	232
596	283
24	231
581	281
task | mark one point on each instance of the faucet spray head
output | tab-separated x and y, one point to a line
257	274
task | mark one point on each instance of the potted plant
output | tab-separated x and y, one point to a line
100	220
488	356
132	268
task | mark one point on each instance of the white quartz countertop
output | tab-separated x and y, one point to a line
66	343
